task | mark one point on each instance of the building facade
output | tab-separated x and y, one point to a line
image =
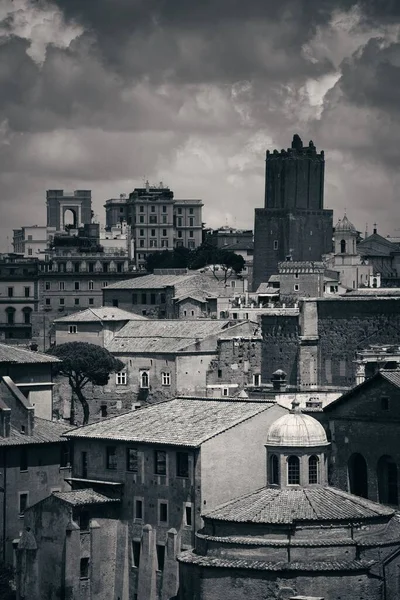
68	208
32	240
158	221
293	222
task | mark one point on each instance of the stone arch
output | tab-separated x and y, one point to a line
68	212
387	475
343	246
358	475
273	469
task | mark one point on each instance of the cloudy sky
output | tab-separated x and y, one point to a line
102	94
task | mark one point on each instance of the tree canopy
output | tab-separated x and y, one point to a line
84	363
205	255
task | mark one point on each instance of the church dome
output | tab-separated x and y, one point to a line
296	430
345	225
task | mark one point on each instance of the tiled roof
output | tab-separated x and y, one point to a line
83	497
178	422
14	354
375	292
265	288
393	376
147	282
287	506
43	432
259	565
163	335
104	313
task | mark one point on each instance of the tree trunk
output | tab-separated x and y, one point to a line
72	409
85	406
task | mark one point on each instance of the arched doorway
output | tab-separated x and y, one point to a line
387	480
358	475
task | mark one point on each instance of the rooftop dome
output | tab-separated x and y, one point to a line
345	225
296	430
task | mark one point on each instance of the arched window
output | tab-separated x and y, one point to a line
273	471
342	246
313	469
358	475
387	480
10	315
374	282
293	470
144	379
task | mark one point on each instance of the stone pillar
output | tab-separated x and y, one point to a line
27	573
147	586
72	561
97	554
170	583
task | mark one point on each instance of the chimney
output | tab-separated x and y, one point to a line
278	379
375	228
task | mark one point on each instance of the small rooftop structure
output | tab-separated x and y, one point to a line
344	225
296	430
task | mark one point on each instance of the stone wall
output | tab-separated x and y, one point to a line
237	360
280	348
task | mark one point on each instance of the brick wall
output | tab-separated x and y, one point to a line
280	348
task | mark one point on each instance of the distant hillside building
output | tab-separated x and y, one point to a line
293	222
68	208
384	256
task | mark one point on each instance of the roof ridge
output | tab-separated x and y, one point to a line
359	500
309	498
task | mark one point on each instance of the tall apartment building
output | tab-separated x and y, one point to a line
293	225
158	221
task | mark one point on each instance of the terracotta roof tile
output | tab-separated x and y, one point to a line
286	506
15	354
43	432
83	497
104	313
179	422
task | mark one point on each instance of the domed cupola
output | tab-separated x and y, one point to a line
345	237
296	445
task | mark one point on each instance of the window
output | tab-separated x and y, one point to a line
225	391
27	315
160	462
91	285
191	221
84	568
384	403
293	470
191	244
179	221
132	460
136	553
164	209
256	379
273	471
164	243
141	243
163	512
296	275
153	243
191	233
23	460
22	503
30	251
61	301
121	378
138	507
180	234
152	298
141	208
115	302
61	286
91	267
141	219
188	515
91	301
47	285
182	464
104	284
105	267
84	520
162	298
144	379
179	211
76	301
313	469
160	557
27	292
219	373
296	287
275	244
103	410
153	219
190	211
165	378
144	298
164	219
111	457
65	459
48	302
153	208
84	464
73	329
29	238
76	267
10	292
10	315
134	298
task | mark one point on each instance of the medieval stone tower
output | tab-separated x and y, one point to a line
294	224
